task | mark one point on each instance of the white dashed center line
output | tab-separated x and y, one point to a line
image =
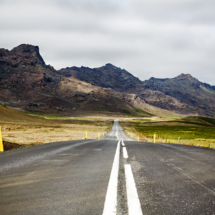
110	206
134	207
125	153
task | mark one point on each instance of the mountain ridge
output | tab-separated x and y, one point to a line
27	82
104	76
184	93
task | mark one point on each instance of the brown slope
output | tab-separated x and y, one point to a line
91	99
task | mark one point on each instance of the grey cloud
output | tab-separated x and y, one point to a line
160	38
92	6
55	15
192	11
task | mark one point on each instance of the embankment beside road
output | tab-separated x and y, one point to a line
9	145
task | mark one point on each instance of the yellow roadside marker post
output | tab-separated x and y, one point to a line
154	138
1	142
86	134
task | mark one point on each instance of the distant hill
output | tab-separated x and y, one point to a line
196	96
183	94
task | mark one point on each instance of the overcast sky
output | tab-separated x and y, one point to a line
159	38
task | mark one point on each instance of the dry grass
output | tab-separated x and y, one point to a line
44	134
24	129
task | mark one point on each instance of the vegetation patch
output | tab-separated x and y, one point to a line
52	117
144	112
176	132
198	131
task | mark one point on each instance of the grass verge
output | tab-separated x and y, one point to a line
21	130
196	131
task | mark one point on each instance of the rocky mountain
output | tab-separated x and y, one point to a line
23	73
26	82
198	97
108	76
183	94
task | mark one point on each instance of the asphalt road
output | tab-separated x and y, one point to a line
108	176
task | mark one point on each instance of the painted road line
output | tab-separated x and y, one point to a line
134	206
123	143
110	206
125	153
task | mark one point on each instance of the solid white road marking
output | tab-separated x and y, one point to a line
125	153
134	206
123	143
110	206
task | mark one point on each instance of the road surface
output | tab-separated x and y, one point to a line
114	175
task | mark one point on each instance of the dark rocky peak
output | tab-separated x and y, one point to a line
187	80
109	64
108	76
29	52
75	68
117	71
185	76
4	52
25	60
110	67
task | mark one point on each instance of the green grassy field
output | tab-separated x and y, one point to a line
199	131
174	132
